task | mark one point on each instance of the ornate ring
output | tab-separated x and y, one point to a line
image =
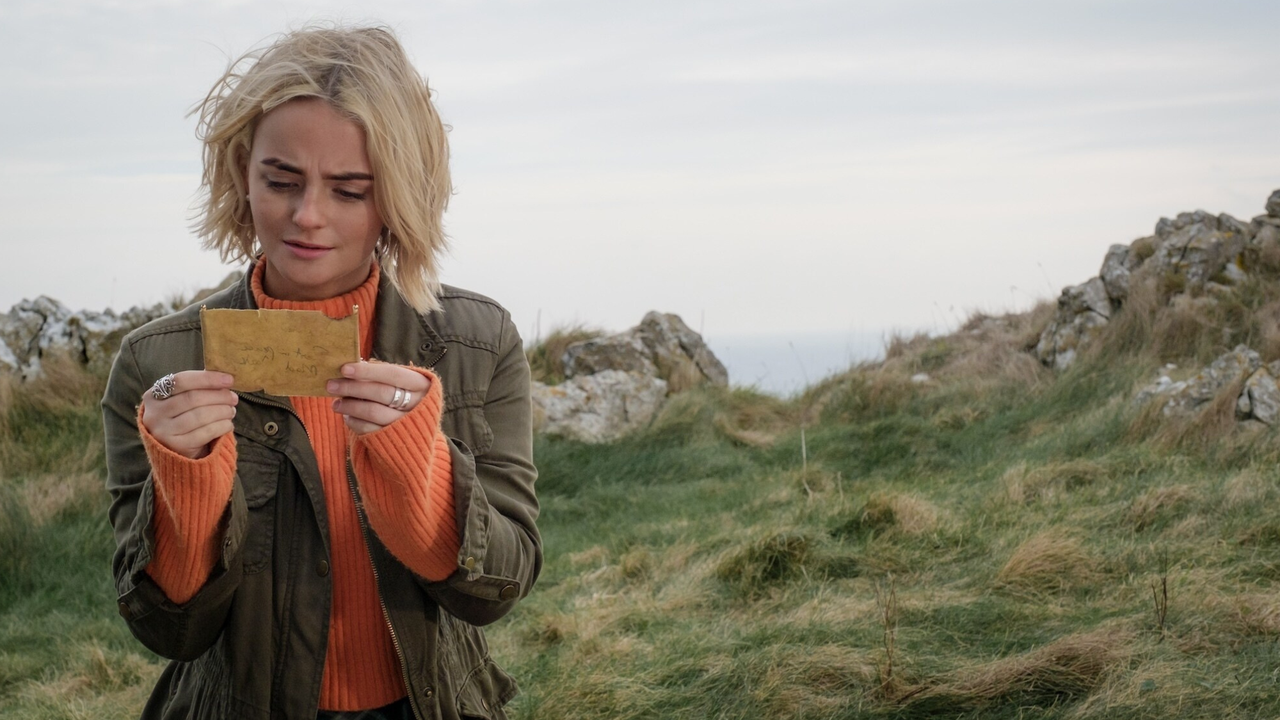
163	388
400	400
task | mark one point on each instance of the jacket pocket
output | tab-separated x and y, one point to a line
468	424
259	471
485	691
480	687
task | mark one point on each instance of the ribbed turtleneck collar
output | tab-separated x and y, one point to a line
365	297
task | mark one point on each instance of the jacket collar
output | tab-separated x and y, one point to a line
401	335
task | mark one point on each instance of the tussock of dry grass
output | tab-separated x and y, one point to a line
1048	562
1159	503
1070	667
46	496
987	354
863	393
1257	614
96	683
742	416
752	570
752	419
64	386
546	357
1023	484
986	351
8	386
814	681
1244	488
907	514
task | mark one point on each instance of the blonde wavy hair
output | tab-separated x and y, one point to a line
364	73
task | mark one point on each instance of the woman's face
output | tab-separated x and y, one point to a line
311	195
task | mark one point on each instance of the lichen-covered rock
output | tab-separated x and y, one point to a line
1082	310
682	357
1199	251
1115	273
624	351
1267	235
33	327
1260	399
661	346
1229	224
597	408
1273	204
1190	396
33	330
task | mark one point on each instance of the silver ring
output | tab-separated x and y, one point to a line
163	388
400	400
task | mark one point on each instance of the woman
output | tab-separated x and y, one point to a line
326	557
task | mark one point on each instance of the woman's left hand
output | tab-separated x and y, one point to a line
368	398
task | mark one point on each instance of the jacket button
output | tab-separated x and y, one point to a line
470	563
428	693
125	612
508	592
322	568
271	429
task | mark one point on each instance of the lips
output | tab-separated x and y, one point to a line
306	250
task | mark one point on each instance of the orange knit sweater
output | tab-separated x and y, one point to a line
404	475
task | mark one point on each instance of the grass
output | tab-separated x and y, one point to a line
546	356
983	544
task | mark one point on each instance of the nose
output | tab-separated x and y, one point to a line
308	213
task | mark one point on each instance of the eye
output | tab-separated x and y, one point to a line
351	195
279	185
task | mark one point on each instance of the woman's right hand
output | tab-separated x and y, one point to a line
198	412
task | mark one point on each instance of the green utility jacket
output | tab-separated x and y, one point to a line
251	643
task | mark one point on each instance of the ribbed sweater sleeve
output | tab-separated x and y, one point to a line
191	497
405	475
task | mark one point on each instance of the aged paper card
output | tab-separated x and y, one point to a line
282	352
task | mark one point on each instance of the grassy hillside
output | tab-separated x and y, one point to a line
996	541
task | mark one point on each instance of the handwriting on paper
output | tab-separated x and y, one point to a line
282	352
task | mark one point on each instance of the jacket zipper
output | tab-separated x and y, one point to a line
377	580
364	531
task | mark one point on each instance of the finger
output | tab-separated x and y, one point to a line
158	415
194	442
188	380
196	418
372	412
364	390
360	427
191	399
375	392
387	374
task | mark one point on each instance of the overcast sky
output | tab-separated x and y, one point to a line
771	168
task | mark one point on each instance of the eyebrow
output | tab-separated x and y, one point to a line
286	167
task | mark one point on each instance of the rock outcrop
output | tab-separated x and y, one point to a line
616	384
661	346
599	407
34	330
1082	309
1258	399
1189	396
1192	254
